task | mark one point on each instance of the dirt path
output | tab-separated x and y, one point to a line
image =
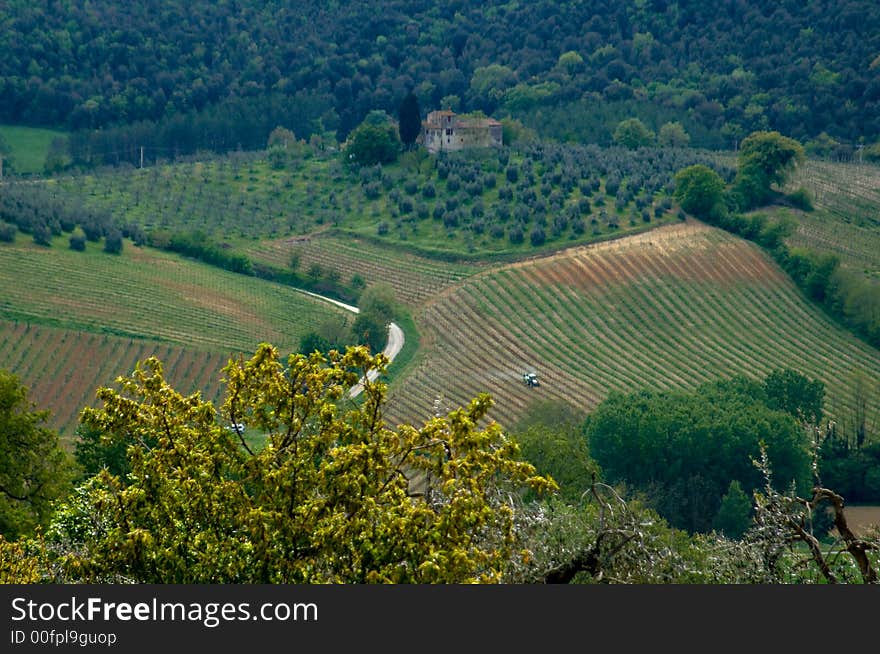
396	340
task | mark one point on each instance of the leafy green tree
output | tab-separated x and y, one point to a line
673	135
513	131
375	141
379	302
488	85
281	137
334	496
765	159
632	133
872	153
550	438
113	242
683	449
371	331
58	156
313	342
794	393
7	232
409	120
34	470
700	191
571	62
95	452
735	513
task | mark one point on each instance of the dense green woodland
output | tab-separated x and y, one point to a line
182	76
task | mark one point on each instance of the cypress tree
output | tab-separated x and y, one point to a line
409	120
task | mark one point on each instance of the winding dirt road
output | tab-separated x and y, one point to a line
396	339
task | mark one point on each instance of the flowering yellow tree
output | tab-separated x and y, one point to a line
332	495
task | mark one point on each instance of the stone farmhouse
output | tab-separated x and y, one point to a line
445	131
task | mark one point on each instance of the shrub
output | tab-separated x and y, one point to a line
7	233
93	231
474	189
405	205
538	236
113	242
372	190
800	199
515	234
451	219
77	242
41	234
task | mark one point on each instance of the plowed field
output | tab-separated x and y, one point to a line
668	309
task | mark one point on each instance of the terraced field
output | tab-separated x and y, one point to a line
151	294
668	309
849	191
70	321
63	367
846	220
414	279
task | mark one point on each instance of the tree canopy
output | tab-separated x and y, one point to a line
375	141
632	133
699	190
684	449
765	159
34	470
333	495
722	71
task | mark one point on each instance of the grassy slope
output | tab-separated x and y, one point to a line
71	321
846	219
146	293
668	309
28	145
243	199
413	278
63	368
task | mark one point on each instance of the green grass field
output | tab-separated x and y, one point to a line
72	321
146	293
28	146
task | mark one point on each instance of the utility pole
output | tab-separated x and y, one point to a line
1	166
142	156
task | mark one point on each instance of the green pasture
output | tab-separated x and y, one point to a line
28	146
145	293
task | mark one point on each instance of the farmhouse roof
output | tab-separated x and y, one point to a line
435	121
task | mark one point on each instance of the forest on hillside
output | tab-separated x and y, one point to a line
180	76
